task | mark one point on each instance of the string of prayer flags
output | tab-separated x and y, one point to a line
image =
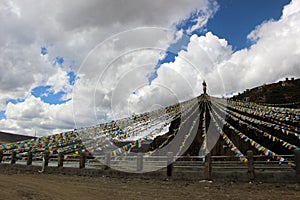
265	134
230	144
253	143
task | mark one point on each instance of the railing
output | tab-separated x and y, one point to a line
141	162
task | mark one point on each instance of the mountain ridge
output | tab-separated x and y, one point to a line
282	92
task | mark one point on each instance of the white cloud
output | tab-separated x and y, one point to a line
203	18
71	30
34	115
199	61
274	55
59	81
112	77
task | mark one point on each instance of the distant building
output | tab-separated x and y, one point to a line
247	99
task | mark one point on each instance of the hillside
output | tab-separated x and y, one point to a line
282	92
9	137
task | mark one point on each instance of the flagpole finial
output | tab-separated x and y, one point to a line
204	86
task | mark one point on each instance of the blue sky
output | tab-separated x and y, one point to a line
237	18
45	92
234	20
43	67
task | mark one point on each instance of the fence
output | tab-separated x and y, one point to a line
208	165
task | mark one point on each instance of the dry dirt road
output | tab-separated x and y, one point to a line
49	186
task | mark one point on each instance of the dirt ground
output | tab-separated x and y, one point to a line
49	186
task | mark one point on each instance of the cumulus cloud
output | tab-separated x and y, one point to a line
274	55
199	61
112	68
35	116
71	31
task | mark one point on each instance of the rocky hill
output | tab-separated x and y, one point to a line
282	92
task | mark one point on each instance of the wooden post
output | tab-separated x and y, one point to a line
251	173
170	160
60	159
139	161
82	160
29	158
107	160
46	159
1	156
13	157
208	167
297	162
